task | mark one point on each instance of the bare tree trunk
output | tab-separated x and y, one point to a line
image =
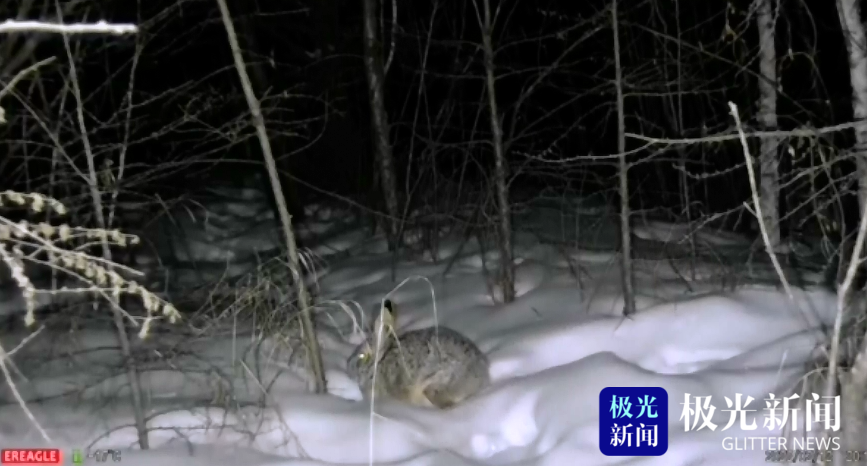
853	389
626	277
854	384
854	397
132	374
769	186
260	80
853	30
379	119
507	267
313	351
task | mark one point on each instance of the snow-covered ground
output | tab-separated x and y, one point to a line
223	395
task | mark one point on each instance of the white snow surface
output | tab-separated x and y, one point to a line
552	351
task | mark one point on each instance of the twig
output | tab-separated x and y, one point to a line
21	74
797	133
755	194
18	396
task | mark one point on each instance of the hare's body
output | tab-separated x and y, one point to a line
433	366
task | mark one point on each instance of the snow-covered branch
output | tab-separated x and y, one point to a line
99	27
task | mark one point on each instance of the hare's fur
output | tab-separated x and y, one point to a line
434	367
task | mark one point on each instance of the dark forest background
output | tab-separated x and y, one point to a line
188	126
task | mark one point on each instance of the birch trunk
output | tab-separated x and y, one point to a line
379	120
769	184
854	386
314	355
626	276
507	268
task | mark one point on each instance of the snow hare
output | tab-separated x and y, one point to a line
432	367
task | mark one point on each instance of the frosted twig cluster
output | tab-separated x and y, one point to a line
45	244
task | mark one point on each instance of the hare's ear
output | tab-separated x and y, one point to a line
388	305
387	317
383	328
